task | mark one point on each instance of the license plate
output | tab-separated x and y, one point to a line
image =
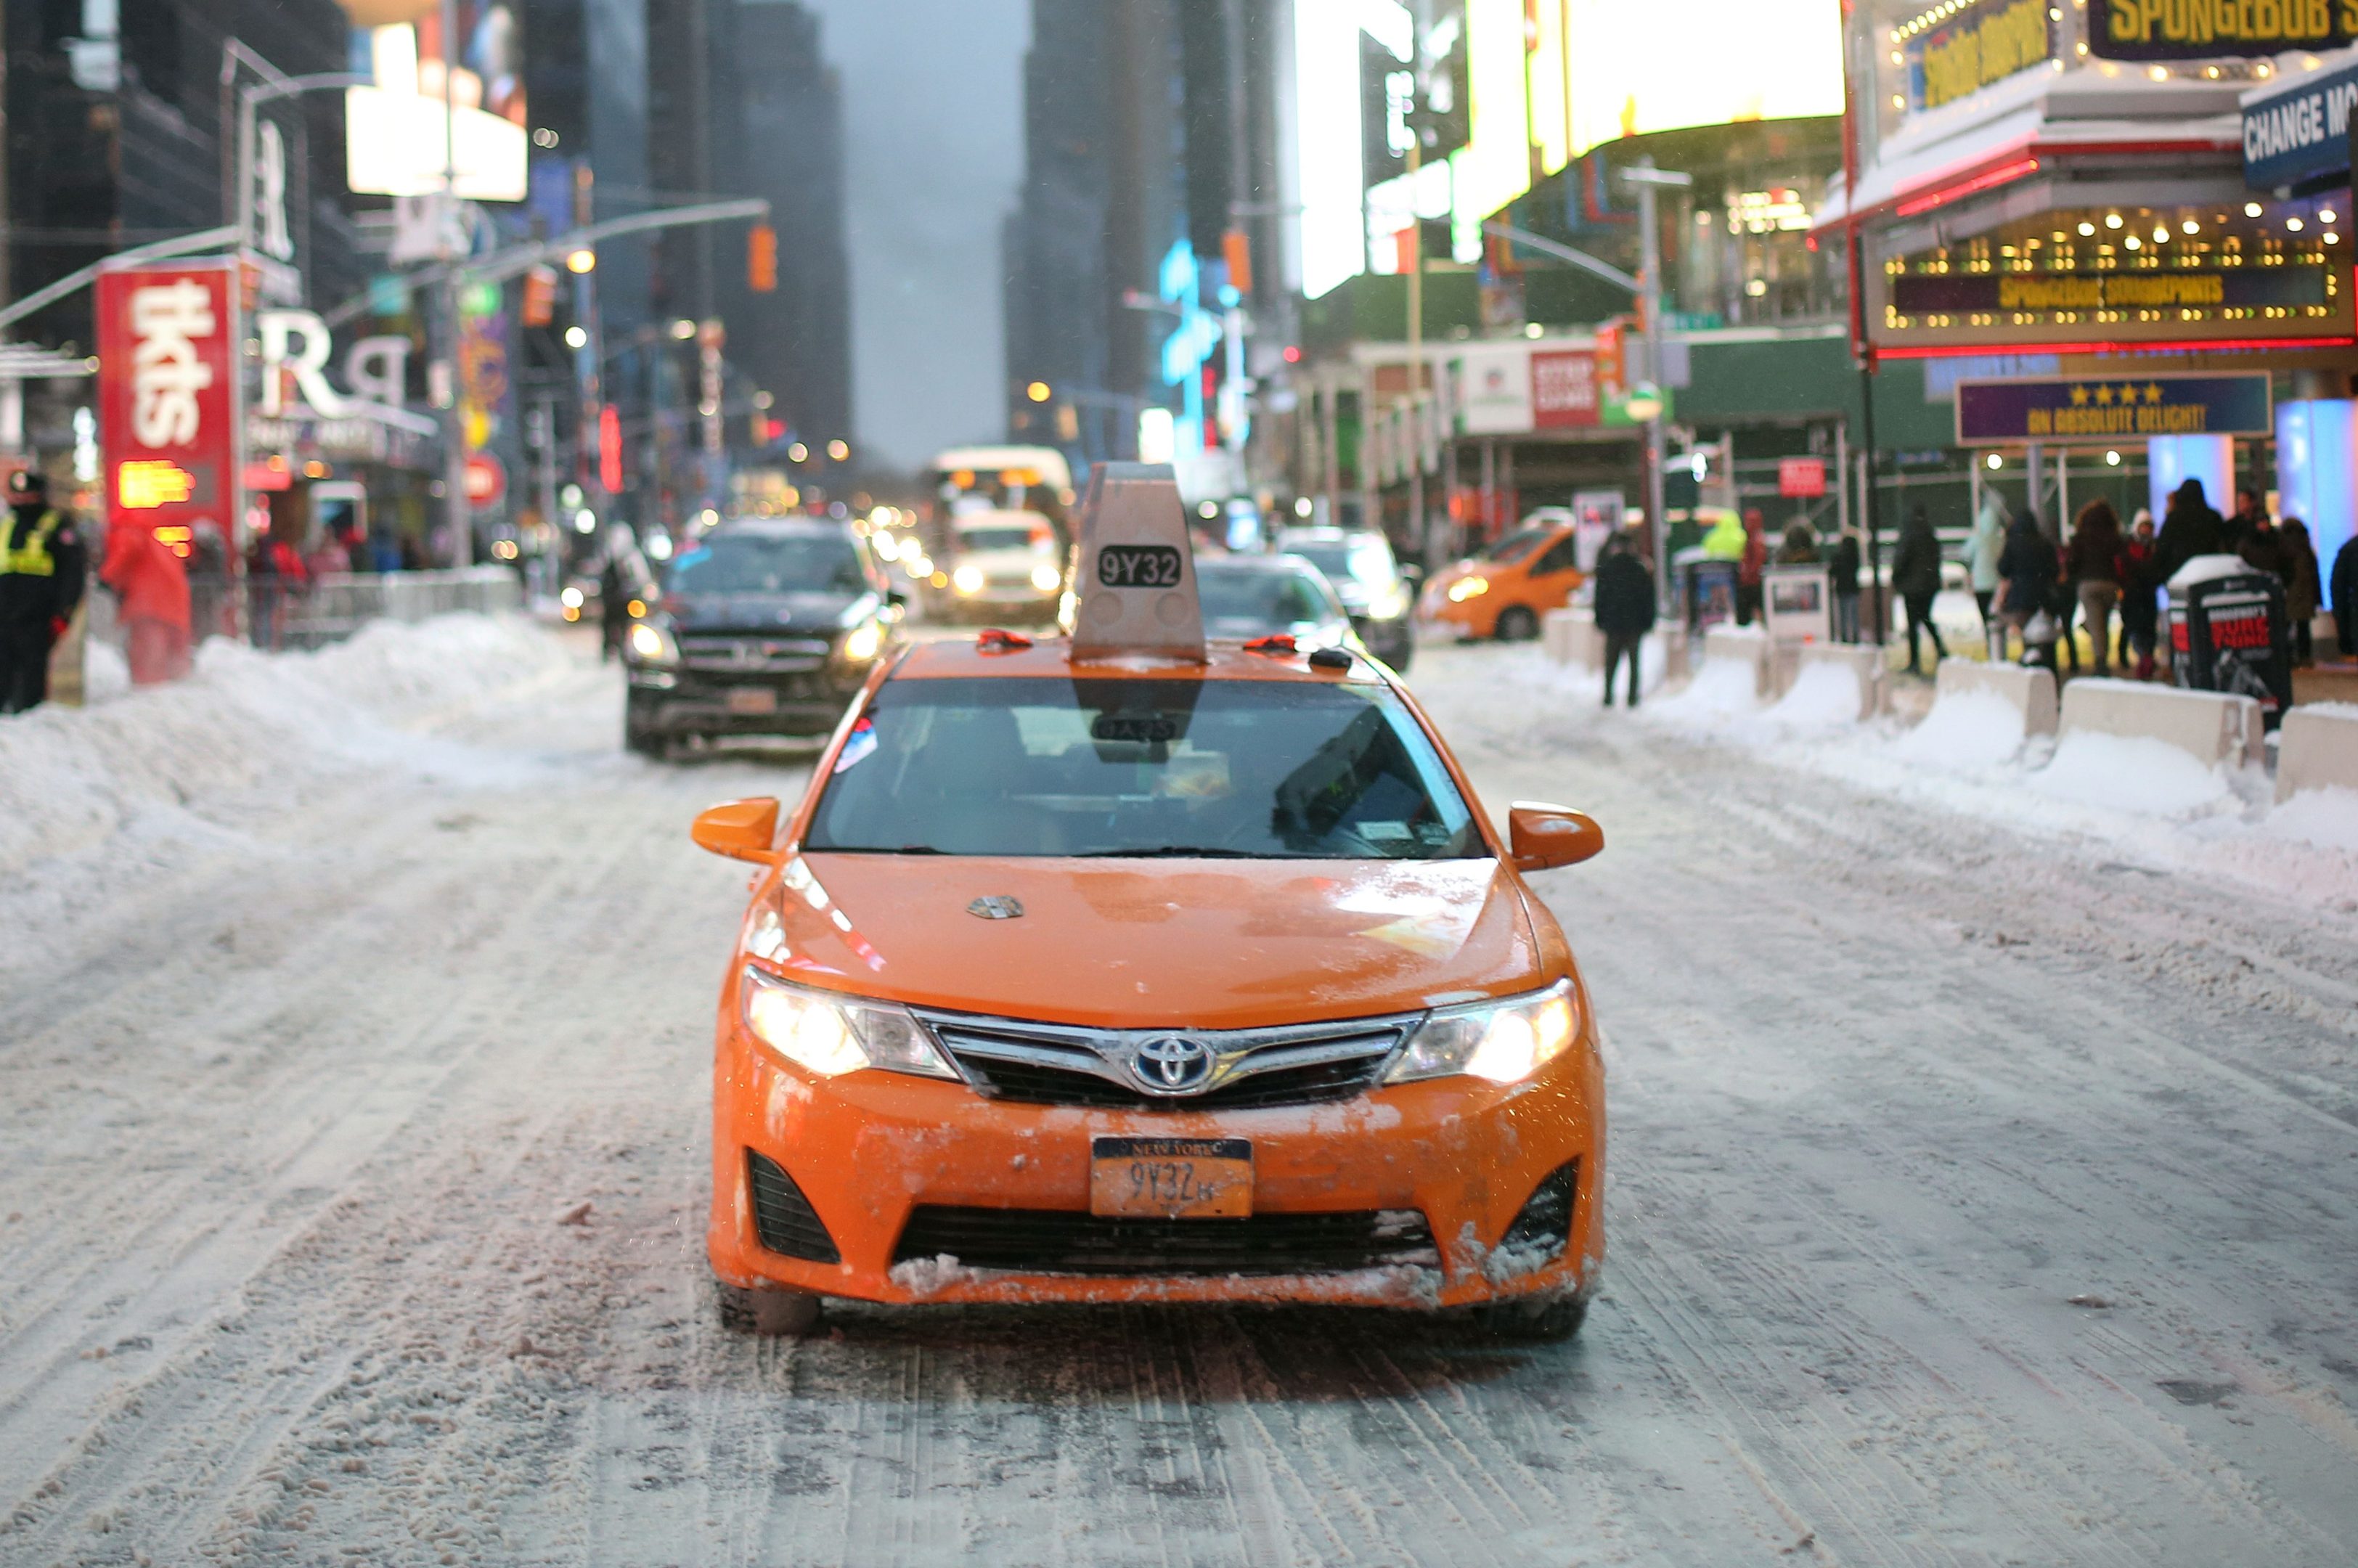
753	699
1171	1178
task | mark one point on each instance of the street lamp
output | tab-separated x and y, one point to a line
1649	180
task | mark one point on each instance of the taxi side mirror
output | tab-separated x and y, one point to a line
742	829
1543	837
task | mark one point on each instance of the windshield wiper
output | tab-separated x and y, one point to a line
1177	852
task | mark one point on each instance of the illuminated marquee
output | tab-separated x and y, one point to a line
2178	277
1952	54
2206	29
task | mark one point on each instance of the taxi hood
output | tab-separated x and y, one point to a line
1147	943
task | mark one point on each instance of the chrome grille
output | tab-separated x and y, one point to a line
765	656
1052	1064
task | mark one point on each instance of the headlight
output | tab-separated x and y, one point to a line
1467	588
653	644
828	1034
967	578
1504	1041
1390	604
570	598
865	641
1047	578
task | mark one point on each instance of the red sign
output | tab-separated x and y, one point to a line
165	396
487	480
1564	389
1801	477
610	449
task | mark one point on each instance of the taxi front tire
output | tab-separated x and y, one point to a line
1516	625
771	1314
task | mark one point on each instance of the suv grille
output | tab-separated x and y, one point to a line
1047	1064
1056	1241
754	656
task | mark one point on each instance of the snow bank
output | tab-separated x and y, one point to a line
1966	732
1721	688
1821	697
2328	817
2130	772
72	779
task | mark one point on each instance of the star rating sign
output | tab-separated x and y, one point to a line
2153	391
2128	393
2103	397
2079	398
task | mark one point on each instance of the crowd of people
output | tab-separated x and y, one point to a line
2032	585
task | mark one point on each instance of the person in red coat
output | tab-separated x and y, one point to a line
153	588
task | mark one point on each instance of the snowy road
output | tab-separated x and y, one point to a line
1976	1198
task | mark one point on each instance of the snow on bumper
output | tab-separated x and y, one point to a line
868	1150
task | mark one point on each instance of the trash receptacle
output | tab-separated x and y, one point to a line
2229	631
1706	591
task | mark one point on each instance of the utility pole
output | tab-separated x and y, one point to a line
1647	179
458	511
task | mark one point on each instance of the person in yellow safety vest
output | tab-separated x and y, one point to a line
43	564
1725	540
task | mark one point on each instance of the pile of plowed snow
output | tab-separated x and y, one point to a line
72	779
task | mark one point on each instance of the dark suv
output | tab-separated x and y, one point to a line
766	626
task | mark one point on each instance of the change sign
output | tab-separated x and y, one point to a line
2110	408
2298	137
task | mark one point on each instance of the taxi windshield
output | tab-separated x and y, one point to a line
1515	547
770	563
1233	769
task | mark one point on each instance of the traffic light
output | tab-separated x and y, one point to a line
762	259
540	296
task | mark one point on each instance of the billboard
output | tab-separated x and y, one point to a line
2109	408
1732	60
423	116
167	398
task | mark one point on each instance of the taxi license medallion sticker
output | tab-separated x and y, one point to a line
1171	1178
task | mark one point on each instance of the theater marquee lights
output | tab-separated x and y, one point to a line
2180	277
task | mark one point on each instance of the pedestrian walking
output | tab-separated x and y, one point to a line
1748	568
42	566
620	574
2301	587
2027	579
151	590
1916	579
2139	617
2092	562
2345	597
1982	547
1842	566
1625	609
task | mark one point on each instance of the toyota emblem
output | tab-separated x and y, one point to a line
1173	1064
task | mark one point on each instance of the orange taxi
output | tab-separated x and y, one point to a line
1504	591
1087	971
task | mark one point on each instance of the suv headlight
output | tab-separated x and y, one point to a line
828	1034
866	640
1391	603
653	644
1505	1042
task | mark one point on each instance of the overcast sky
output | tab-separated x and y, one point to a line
933	125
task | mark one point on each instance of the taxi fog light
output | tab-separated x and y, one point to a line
831	1035
1047	578
1504	1041
653	644
1468	588
967	578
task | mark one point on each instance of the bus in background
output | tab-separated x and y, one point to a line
998	531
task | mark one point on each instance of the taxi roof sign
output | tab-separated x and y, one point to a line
1136	583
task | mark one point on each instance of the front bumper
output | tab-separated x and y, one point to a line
870	1152
679	701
